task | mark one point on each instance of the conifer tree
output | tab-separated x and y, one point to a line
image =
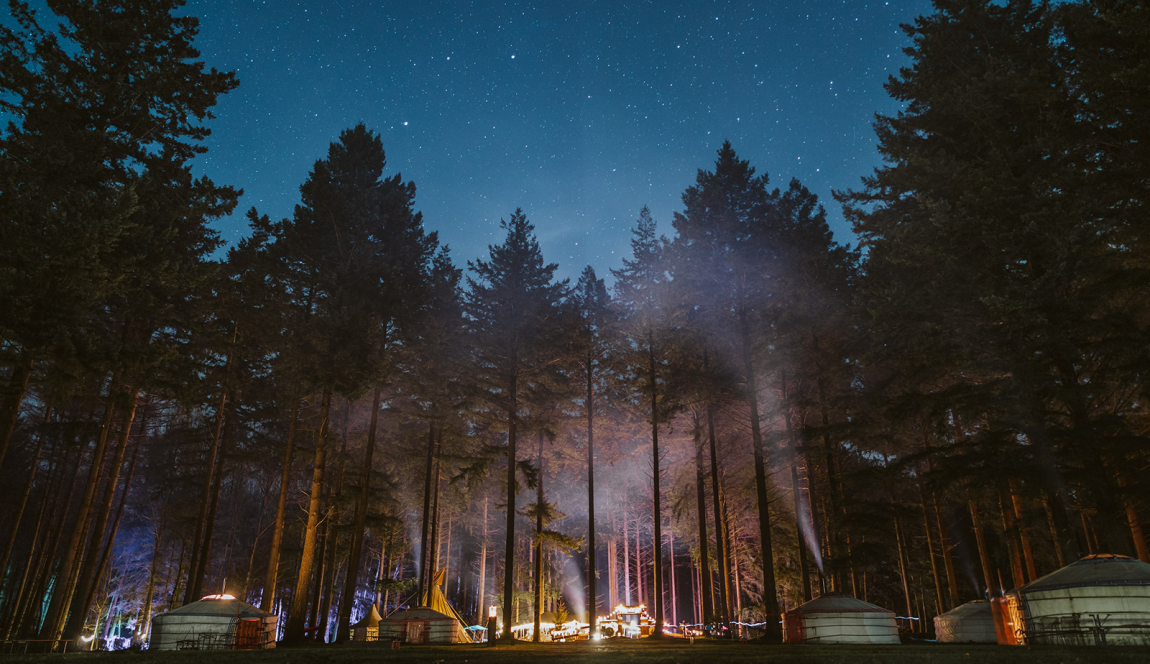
641	291
513	308
596	328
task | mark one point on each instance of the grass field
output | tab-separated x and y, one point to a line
616	652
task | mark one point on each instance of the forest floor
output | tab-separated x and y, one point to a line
619	652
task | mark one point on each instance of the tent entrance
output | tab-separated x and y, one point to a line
417	631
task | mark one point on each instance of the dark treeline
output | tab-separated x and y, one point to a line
332	414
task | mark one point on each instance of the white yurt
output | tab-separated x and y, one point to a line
840	619
436	623
422	624
972	622
1102	599
216	622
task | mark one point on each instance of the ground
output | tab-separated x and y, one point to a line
618	652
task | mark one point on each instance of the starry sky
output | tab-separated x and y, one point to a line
578	112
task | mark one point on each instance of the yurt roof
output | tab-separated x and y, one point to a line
218	607
419	613
370	620
978	608
1095	570
832	603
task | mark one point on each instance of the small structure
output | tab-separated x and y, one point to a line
1102	599
840	619
624	621
970	623
436	623
216	622
422	624
368	628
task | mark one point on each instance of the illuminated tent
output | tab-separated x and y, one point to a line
436	623
840	619
1102	599
970	623
368	628
216	622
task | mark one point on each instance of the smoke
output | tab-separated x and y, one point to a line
807	531
573	593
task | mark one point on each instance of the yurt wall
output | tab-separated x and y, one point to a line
840	619
1099	600
970	623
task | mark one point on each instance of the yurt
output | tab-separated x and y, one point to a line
435	623
216	622
839	619
1102	599
970	623
422	624
368	628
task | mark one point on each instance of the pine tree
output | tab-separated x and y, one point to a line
641	292
513	308
354	256
594	341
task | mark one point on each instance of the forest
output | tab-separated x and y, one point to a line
743	414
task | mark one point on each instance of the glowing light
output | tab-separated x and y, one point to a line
87	639
220	596
491	611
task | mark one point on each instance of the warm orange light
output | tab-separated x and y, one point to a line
221	596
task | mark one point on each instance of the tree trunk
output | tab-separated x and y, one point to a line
192	590
772	630
796	494
1023	531
539	545
942	607
19	514
671	551
1136	532
149	593
721	550
481	610
592	591
347	601
200	570
424	543
67	571
657	554
295	628
267	599
10	411
626	561
90	569
106	554
983	552
835	524
701	498
34	552
331	538
1013	546
903	557
509	548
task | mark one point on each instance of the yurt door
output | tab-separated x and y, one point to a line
416	631
248	634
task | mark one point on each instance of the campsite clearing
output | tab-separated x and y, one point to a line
640	651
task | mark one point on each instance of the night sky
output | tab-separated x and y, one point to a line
578	112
